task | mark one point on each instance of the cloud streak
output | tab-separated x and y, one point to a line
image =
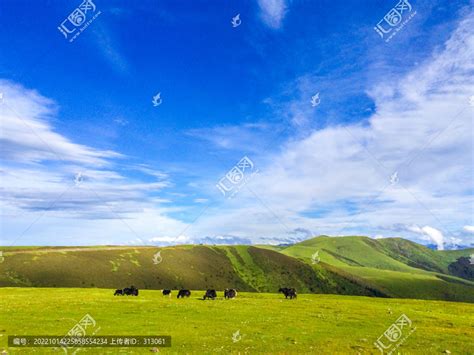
42	194
272	12
27	135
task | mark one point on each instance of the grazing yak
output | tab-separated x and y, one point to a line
230	293
184	293
212	294
288	292
132	290
118	292
166	292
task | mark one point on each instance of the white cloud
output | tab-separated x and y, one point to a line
273	12
27	135
336	180
42	197
435	235
469	229
108	46
231	137
169	240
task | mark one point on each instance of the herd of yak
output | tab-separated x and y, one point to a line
127	291
210	294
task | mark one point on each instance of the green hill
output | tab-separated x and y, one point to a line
394	266
246	268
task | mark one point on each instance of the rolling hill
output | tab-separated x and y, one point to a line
348	265
397	267
246	268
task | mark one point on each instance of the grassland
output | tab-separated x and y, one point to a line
267	323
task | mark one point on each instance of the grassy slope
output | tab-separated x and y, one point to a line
324	324
196	267
396	267
183	266
420	256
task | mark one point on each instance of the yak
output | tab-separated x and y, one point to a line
212	294
230	293
166	292
132	290
183	293
288	292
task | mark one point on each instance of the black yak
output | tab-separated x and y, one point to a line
132	290
166	292
212	294
118	292
288	292
230	293
183	293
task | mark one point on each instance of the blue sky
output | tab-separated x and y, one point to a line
88	159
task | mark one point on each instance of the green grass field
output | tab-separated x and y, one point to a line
267	323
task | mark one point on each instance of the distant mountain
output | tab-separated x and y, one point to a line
458	246
450	246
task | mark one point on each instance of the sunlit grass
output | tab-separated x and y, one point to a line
266	322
